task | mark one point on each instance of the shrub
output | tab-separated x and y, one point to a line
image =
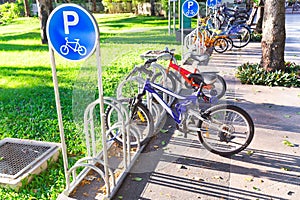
256	37
9	11
255	74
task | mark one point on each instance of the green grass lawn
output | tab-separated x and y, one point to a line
27	104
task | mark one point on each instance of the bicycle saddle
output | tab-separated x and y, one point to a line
197	78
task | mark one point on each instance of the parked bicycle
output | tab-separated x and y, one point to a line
222	129
295	6
215	84
225	15
237	34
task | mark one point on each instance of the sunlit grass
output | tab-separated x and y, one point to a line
120	22
20	25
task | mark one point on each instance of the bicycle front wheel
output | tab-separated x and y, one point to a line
228	130
82	50
218	88
141	125
220	45
240	36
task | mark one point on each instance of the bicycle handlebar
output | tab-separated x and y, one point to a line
149	61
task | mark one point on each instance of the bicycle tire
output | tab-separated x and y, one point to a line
230	44
82	50
232	119
159	117
240	36
64	49
218	88
141	121
220	45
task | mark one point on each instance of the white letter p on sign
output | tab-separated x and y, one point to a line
68	23
190	4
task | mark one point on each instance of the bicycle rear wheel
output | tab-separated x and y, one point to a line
159	79
141	124
228	130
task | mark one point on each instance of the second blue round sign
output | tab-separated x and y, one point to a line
190	8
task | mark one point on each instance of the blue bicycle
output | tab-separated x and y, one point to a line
222	129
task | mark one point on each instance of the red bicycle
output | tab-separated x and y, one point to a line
215	85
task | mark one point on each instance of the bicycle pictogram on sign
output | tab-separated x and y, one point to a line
75	46
190	13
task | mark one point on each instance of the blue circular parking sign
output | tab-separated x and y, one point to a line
212	3
72	32
190	8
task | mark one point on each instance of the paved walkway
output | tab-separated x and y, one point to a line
175	167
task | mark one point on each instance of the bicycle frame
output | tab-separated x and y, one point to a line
184	73
179	108
75	48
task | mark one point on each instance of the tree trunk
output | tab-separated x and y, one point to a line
260	17
27	8
45	8
152	2
94	6
273	38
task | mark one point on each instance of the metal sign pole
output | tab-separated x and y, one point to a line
179	12
174	16
181	35
190	9
197	32
169	16
59	115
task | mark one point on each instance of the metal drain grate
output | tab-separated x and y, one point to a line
18	156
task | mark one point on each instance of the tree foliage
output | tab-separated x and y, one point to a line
10	11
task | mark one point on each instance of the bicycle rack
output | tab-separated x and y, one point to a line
109	180
101	168
157	113
194	45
